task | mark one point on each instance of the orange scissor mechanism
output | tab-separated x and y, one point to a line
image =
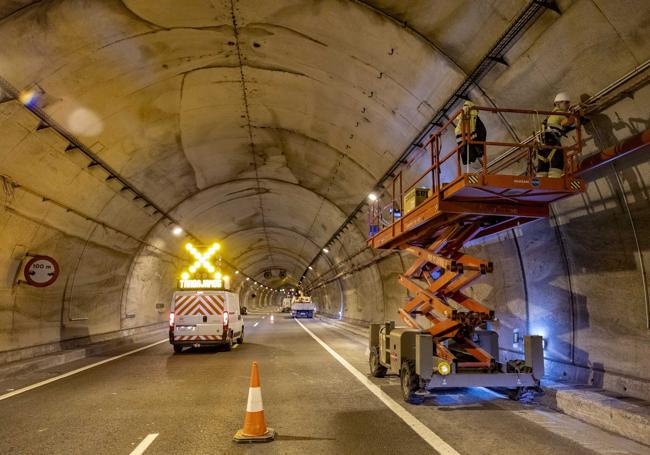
448	204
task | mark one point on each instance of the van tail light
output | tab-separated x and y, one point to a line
226	319
171	319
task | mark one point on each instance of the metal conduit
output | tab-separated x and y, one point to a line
495	55
10	92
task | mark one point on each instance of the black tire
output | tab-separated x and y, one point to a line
377	370
229	343
410	382
240	340
178	349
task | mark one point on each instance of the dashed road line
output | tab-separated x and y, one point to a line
146	442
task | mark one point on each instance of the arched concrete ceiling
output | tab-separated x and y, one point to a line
274	117
235	115
284	239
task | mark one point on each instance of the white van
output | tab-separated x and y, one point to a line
204	318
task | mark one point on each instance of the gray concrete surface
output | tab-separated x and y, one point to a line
620	414
263	124
64	353
626	416
196	401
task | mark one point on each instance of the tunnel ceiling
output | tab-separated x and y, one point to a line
260	123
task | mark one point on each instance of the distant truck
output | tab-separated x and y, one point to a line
302	306
286	305
205	318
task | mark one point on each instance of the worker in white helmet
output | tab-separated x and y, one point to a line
550	159
471	153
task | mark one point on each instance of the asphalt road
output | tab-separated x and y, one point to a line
195	402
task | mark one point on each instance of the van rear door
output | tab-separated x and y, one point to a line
198	315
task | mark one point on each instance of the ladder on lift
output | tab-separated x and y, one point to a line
467	207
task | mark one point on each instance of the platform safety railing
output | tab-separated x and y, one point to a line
384	214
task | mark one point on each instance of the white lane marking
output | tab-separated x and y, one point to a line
255	325
146	442
78	370
422	430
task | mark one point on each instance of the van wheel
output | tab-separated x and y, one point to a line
240	340
178	349
229	343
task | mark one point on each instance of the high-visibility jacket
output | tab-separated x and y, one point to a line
556	124
476	128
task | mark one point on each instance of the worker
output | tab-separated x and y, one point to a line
471	153
550	158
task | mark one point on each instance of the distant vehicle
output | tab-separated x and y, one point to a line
205	318
286	305
244	310
302	306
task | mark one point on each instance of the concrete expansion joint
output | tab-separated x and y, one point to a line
241	58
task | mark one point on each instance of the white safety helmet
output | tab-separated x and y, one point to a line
562	96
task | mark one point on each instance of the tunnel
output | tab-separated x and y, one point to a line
132	131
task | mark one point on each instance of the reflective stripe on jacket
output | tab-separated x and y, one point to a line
473	115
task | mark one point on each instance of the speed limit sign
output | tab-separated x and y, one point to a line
41	271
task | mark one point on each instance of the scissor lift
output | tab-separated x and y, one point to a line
445	343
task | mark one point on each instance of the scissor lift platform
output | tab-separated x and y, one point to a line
445	342
503	201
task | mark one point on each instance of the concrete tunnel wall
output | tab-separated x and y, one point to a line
145	86
580	279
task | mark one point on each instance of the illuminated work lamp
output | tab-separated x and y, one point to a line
444	368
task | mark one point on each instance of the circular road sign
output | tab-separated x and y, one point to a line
41	271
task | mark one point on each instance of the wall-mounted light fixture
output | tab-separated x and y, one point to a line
516	338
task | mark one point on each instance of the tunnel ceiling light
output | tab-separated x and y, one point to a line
236	272
373	197
310	268
177	231
325	250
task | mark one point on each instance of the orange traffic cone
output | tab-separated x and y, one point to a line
255	429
